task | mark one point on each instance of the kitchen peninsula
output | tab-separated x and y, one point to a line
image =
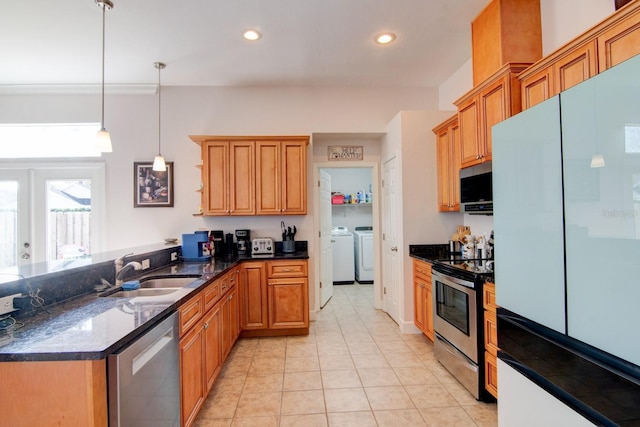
66	345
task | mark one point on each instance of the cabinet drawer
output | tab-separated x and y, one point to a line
422	269
211	295
490	332
191	312
491	374
489	297
276	269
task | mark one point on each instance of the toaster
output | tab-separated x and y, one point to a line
263	246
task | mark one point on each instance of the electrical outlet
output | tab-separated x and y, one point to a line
174	256
145	264
6	303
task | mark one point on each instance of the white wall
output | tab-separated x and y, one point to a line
349	181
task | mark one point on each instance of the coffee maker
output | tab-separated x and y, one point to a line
219	250
244	241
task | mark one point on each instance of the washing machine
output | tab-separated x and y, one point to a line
363	253
343	255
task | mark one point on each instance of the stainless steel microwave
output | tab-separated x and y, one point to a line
476	190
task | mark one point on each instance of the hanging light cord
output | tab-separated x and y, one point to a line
104	12
160	66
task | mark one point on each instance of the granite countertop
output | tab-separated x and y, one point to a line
91	327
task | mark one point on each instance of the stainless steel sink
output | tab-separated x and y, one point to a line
167	281
143	292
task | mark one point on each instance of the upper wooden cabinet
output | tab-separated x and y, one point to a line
495	100
281	183
448	151
605	45
253	175
505	31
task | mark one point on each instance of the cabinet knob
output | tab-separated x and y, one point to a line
206	325
269	283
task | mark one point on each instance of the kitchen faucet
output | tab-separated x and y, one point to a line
122	268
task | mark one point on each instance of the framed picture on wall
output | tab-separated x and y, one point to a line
152	189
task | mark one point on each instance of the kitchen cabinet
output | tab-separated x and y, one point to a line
253	175
275	298
422	297
608	43
493	101
63	393
448	152
206	339
505	31
490	339
281	177
228	184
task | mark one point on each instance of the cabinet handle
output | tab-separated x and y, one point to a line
286	269
230	297
206	325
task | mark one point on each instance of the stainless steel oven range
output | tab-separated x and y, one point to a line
457	322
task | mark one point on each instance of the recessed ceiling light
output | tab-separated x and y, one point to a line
252	35
385	38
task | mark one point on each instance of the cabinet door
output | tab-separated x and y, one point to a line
294	177
454	165
234	321
288	303
468	121
576	67
192	385
268	178
444	171
494	108
212	330
428	312
215	191
619	43
537	87
254	296
242	187
419	309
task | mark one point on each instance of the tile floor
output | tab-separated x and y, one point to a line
354	369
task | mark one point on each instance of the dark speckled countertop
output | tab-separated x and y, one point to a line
91	327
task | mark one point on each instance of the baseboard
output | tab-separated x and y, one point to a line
407	327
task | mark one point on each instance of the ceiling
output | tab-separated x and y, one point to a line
304	42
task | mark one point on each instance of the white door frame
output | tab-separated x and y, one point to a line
375	187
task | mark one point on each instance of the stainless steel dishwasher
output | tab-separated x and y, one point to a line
144	379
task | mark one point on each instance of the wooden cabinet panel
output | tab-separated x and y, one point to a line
211	295
242	189
620	42
537	87
491	332
230	321
448	161
212	326
254	296
576	67
268	177
192	384
65	393
468	120
423	303
281	177
215	180
278	269
190	313
288	303
494	109
491	374
489	297
294	177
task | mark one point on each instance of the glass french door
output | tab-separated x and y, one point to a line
50	214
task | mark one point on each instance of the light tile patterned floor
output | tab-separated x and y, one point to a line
354	369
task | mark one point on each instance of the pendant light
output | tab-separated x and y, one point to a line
103	139
159	163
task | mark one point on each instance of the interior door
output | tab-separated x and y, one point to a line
391	281
15	243
326	248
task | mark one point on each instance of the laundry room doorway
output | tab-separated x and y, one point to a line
355	224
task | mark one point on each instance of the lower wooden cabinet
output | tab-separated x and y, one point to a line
422	297
206	339
490	338
275	298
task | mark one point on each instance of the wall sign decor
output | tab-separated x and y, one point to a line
152	189
346	152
